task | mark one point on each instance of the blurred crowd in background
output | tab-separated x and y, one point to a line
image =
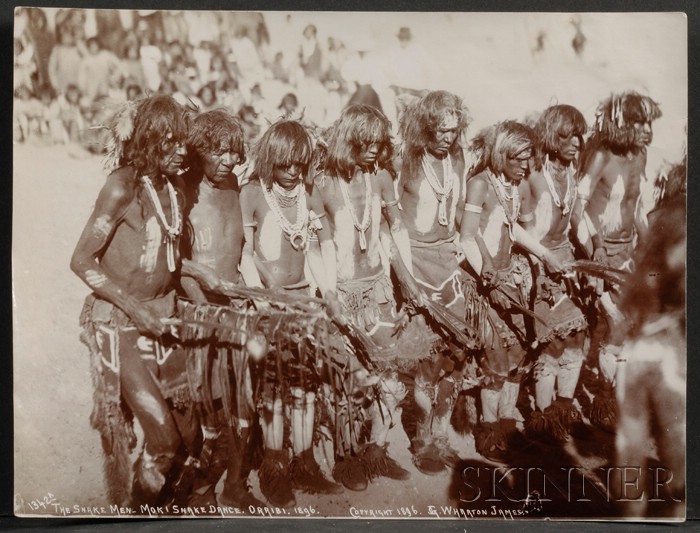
73	67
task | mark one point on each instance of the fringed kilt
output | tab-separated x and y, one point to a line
556	304
436	269
109	334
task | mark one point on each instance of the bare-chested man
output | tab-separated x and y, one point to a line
489	228
608	216
357	180
431	190
128	254
213	242
559	130
284	233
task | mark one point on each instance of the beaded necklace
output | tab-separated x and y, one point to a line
567	202
442	192
366	215
499	187
284	197
172	230
297	236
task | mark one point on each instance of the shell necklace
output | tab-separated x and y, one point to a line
296	231
172	230
567	202
442	192
366	216
503	197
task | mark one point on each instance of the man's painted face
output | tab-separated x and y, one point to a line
218	164
569	146
643	134
287	176
368	153
517	166
445	135
173	154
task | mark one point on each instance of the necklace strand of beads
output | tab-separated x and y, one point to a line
295	231
566	203
172	230
499	187
366	218
442	192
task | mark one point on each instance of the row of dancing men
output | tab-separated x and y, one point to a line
396	240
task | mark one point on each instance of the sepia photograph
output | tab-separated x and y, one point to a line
349	265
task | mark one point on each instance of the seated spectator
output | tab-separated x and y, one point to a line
49	121
27	112
249	122
289	104
206	97
132	66
133	91
279	70
71	113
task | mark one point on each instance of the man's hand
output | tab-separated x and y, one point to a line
552	263
334	307
211	281
598	284
489	276
147	322
499	299
416	294
600	255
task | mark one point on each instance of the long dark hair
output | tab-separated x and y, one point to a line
494	145
159	119
616	116
284	143
555	121
420	123
357	125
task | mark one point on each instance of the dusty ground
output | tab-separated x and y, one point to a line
58	456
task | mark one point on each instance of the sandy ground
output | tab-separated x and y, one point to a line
58	456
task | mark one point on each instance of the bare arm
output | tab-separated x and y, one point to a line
321	254
195	276
527	241
392	215
477	190
249	271
527	205
589	236
110	208
406	279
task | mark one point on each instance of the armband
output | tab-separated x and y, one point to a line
473	208
250	225
390	204
314	220
527	217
